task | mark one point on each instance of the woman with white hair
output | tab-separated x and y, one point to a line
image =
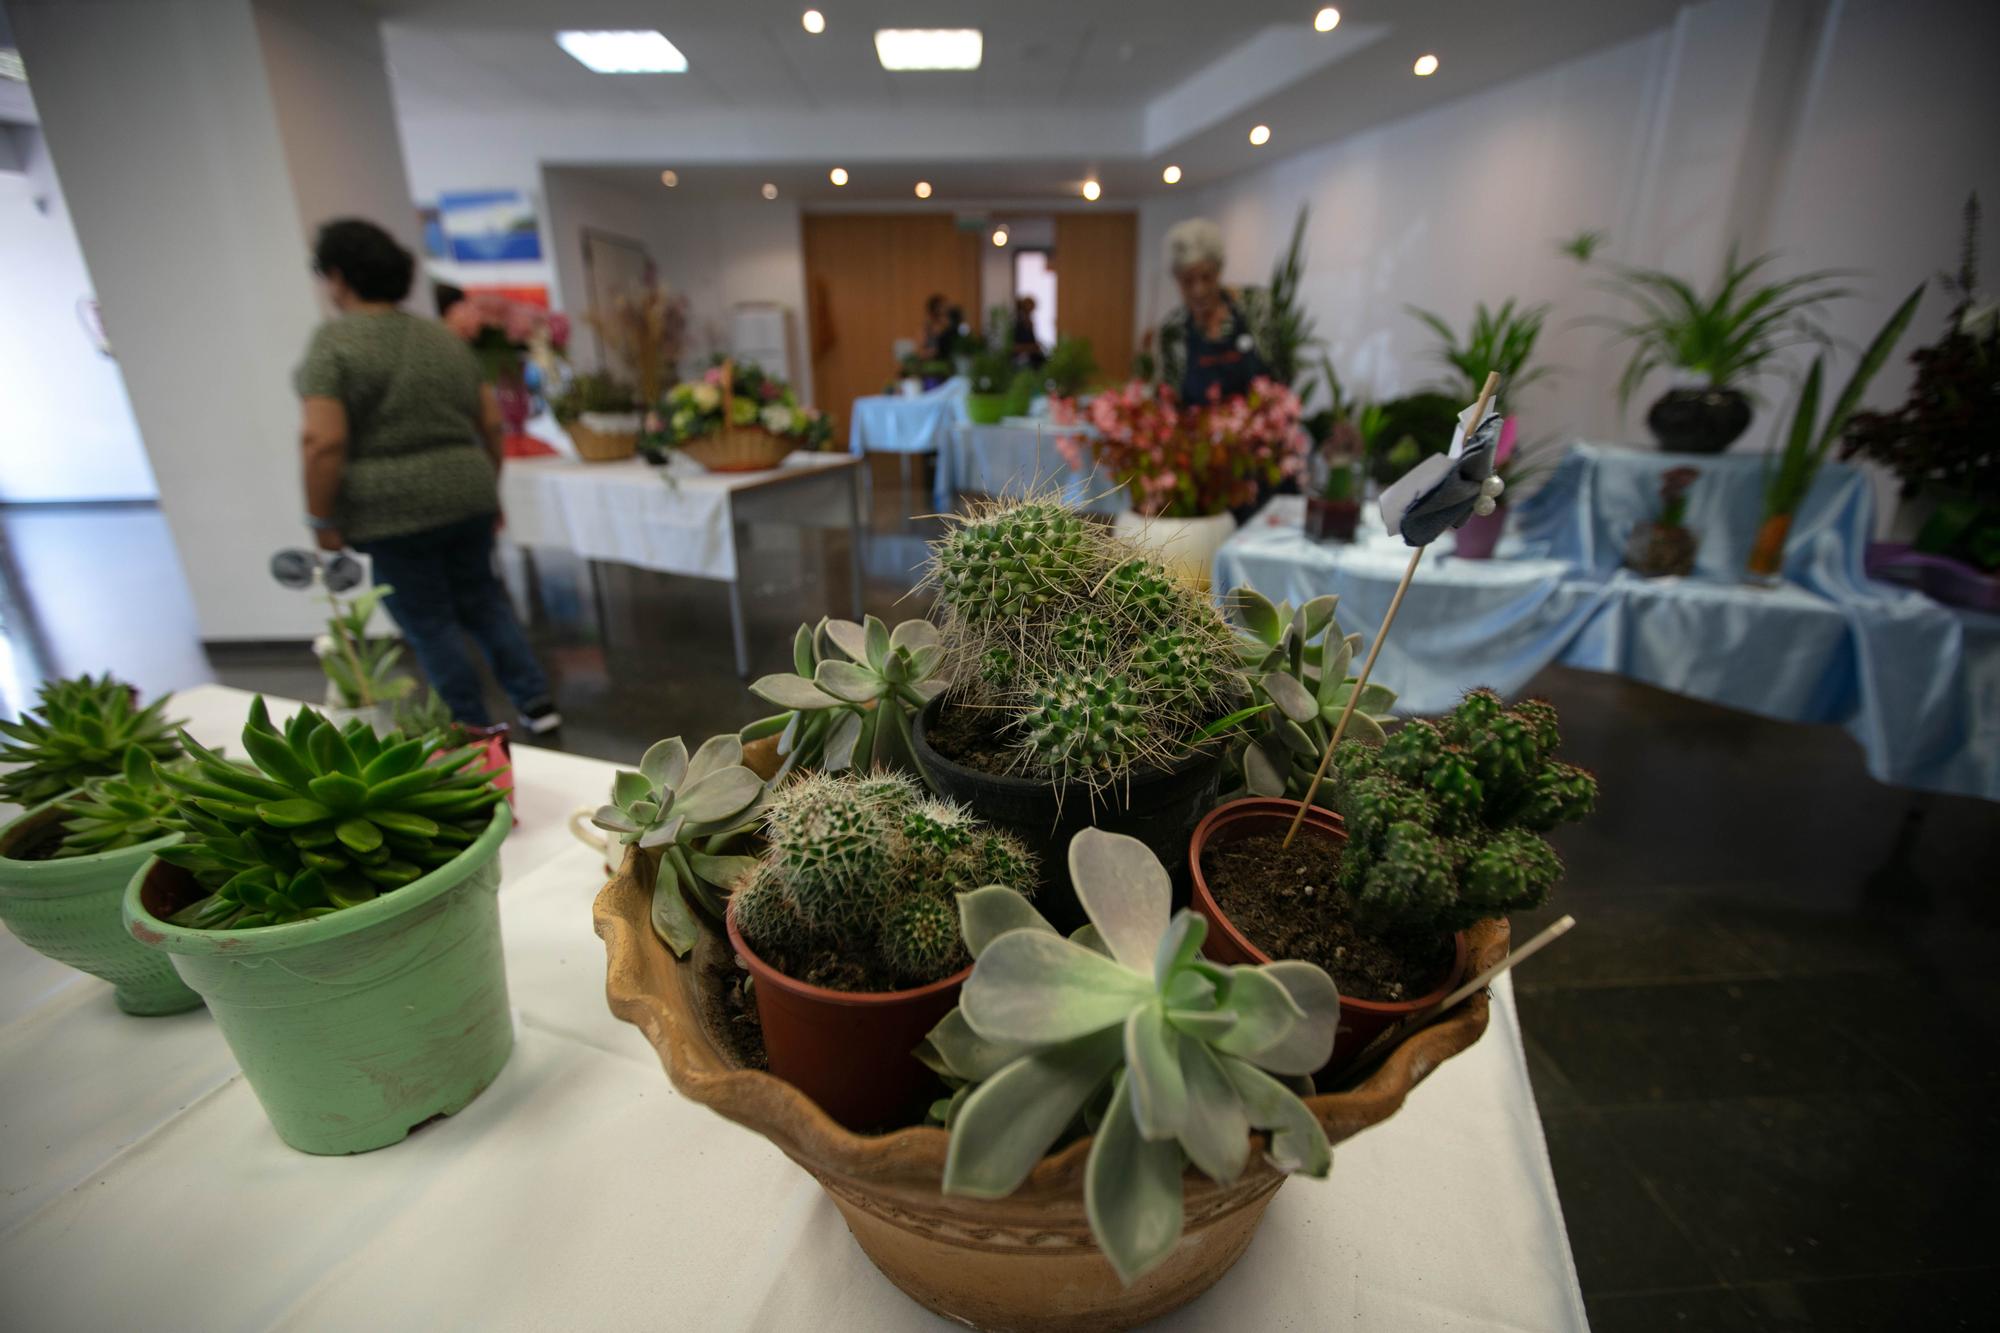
1207	349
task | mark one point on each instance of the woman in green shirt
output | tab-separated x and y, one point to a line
402	462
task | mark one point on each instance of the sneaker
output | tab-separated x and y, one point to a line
540	719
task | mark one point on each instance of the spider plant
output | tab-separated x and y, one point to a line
1725	336
1500	340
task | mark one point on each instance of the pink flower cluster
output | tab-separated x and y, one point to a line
1186	461
489	317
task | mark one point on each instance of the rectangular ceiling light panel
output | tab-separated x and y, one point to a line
647	52
929	48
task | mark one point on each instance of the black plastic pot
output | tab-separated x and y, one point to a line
1699	421
1158	807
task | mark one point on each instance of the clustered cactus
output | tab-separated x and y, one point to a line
1445	821
866	868
79	729
850	696
1096	656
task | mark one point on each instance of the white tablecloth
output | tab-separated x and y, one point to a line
675	519
141	1187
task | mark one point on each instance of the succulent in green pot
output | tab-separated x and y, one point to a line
851	695
686	810
79	729
113	813
1126	1032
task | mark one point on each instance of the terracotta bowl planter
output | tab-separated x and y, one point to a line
1360	1020
1025	1262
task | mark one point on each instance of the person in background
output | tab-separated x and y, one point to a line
1027	347
1206	347
401	445
939	329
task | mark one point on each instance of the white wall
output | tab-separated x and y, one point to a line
723	254
67	425
572	203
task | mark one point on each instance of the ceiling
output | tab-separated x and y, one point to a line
1142	84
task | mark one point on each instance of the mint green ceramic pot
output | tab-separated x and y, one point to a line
68	909
355	1027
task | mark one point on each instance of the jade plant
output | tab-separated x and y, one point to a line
327	818
687	810
112	813
79	729
1445	821
1298	662
864	869
1125	1031
850	695
1096	660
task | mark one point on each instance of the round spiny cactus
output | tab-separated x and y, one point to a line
998	665
1078	722
1513	872
1413	881
992	857
765	914
1012	560
1145	592
830	842
1176	663
919	937
1086	634
938	828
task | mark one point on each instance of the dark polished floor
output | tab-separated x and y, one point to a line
1766	1058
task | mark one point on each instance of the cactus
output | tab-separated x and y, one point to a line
864	868
1369	806
1011	560
1175	663
1086	634
1084	721
1413	877
79	729
1146	593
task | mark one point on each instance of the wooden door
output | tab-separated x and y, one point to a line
1096	263
867	277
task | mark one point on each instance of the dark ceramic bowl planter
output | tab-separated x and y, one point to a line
1331	520
850	1051
1158	807
1360	1020
1699	421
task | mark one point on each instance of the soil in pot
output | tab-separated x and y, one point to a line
1288	902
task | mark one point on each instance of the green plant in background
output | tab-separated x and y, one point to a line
593	391
1410	429
1279	322
79	729
864	868
1126	1031
992	370
328	818
1583	246
360	667
687	810
121	811
1444	821
1094	657
1070	369
1501	341
1725	336
1298	662
851	695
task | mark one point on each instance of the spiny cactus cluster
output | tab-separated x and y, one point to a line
1098	658
866	868
1444	820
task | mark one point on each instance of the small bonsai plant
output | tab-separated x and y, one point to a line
849	699
855	891
124	810
687	810
1125	1031
328	818
79	729
1666	545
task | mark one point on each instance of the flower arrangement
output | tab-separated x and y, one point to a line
501	331
693	410
1191	460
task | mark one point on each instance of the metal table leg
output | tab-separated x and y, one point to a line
736	632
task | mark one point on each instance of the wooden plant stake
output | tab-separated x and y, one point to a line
1368	664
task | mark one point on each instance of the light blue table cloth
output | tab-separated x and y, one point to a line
895	424
1019	457
1917	684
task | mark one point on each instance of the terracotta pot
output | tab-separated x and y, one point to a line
850	1050
1331	520
1767	556
1025	1262
1360	1020
1478	535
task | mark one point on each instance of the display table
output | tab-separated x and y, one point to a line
1917	684
1019	457
893	423
681	518
143	1187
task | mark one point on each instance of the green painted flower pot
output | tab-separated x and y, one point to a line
355	1027
985	409
68	910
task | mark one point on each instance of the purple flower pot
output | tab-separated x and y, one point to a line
1480	535
1952	582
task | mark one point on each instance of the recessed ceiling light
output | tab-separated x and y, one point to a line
770	191
670	178
814	21
1426	65
1260	135
929	48
647	52
1172	175
1326	20
838	175
923	189
999	236
1091	189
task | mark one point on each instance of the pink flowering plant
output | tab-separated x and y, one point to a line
1189	460
502	331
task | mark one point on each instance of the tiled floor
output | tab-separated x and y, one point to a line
1767	1058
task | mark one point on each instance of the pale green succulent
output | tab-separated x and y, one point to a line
687	809
1125	1029
850	699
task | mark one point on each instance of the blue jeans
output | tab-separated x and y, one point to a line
444	586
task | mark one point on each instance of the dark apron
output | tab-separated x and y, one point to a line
1224	365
